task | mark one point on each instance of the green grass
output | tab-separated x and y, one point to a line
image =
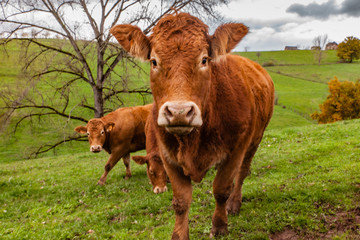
322	73
297	57
284	117
300	96
301	176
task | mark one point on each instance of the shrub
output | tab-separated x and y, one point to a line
349	49
268	64
343	102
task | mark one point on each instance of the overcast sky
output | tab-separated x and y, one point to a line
276	24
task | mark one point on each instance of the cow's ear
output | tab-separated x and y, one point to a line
226	37
141	160
109	126
133	40
81	129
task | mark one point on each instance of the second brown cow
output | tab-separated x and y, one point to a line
120	133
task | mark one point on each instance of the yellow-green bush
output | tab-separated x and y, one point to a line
343	102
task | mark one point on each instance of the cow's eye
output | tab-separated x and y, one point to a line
204	60
102	132
153	62
88	133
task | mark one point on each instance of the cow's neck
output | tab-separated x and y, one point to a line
107	143
197	151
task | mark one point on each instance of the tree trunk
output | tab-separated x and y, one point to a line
98	88
98	102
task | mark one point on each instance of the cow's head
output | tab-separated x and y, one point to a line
155	171
96	131
181	54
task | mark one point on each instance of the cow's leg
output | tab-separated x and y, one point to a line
126	160
182	195
235	199
222	187
113	159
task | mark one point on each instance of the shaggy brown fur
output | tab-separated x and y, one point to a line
230	97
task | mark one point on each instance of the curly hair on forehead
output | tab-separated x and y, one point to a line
179	34
93	124
174	24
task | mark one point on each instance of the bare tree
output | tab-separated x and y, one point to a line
319	43
258	54
54	71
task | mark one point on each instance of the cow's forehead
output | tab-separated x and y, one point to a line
95	125
179	33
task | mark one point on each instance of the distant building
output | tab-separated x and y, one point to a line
291	48
331	46
315	48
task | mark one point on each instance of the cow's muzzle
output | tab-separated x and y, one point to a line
179	117
95	148
158	189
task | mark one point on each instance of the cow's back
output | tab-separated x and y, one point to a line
262	88
244	95
140	115
129	129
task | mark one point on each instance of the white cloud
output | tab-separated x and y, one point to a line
272	27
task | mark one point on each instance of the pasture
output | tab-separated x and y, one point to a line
304	183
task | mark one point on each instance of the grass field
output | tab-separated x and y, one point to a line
297	57
304	184
322	74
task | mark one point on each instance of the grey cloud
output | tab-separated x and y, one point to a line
350	8
275	24
327	9
322	11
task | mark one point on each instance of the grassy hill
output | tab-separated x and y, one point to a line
299	82
305	180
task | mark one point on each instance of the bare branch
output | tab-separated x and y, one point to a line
54	71
47	147
27	24
54	111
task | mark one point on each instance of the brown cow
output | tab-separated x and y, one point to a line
119	133
155	168
210	108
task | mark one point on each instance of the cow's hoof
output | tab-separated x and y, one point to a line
100	183
177	236
127	177
218	231
233	207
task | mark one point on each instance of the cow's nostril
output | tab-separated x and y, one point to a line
167	112
190	113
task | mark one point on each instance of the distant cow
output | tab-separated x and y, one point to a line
155	168
119	133
210	108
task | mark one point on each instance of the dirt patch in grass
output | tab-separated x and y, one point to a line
287	234
342	223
